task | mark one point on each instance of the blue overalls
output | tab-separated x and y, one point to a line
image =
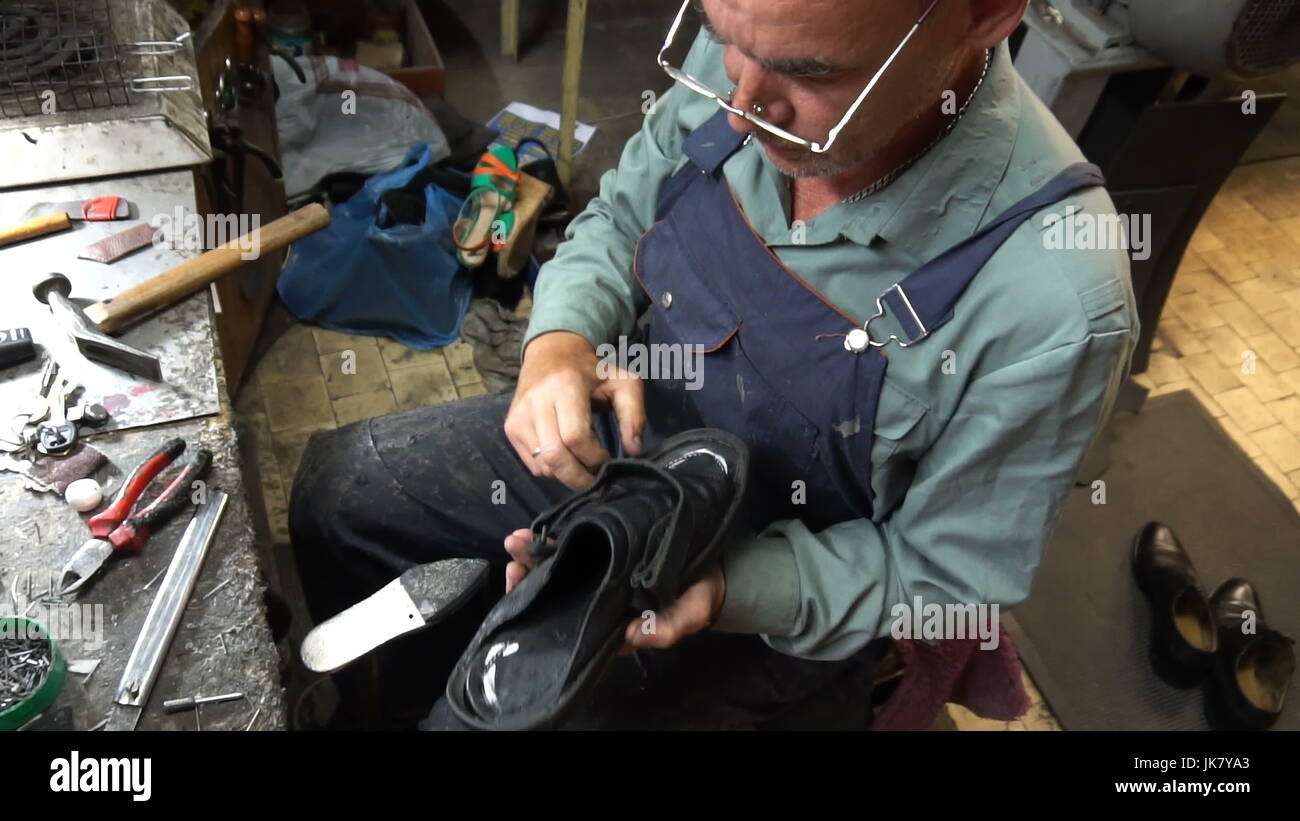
777	367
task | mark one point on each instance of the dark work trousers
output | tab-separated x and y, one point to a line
376	497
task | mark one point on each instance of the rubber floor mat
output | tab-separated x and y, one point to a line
1083	632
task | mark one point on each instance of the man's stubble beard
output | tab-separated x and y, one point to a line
847	155
815	166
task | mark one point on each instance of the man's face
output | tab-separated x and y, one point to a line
806	61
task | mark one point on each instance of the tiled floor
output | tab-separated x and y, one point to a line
1230	334
1231	331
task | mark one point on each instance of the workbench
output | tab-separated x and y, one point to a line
224	643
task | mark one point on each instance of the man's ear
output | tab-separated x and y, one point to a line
993	21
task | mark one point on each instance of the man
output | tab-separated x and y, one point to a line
925	455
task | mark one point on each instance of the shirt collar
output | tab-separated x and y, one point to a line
952	186
936	203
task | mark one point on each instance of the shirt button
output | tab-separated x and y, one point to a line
666	300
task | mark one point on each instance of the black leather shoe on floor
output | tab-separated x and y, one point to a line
645	531
1183	637
1254	665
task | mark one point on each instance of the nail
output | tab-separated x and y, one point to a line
215	589
154	579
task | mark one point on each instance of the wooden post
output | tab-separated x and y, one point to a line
510	29
572	80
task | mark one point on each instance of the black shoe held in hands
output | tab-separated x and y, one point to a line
644	532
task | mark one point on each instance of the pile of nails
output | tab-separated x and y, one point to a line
24	664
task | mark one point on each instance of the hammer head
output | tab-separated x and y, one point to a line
93	343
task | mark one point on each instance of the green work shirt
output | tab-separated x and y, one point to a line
980	430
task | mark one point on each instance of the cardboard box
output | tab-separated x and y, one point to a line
425	73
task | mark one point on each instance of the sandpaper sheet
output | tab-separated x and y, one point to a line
126	242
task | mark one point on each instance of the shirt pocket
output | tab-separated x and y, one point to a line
695	314
898	413
732	391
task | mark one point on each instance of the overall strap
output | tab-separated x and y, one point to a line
710	145
707	148
924	300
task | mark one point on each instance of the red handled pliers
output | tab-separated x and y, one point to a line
124	527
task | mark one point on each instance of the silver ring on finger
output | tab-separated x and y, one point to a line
537	451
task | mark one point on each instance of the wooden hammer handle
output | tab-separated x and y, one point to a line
174	285
35	228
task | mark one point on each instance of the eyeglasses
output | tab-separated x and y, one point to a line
725	102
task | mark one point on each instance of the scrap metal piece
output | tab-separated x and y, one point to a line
123	718
82	667
175	705
167	610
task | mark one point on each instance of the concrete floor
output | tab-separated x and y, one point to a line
1237	290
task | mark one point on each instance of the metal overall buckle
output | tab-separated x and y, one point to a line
859	339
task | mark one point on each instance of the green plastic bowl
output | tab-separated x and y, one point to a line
35	704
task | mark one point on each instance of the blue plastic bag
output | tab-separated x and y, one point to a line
402	282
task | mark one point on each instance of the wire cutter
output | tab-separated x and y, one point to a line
125	527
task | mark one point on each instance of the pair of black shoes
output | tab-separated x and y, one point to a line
1248	664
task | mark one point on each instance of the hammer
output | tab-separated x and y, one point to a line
90	328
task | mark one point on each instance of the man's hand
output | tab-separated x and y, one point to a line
694	611
520	562
549	422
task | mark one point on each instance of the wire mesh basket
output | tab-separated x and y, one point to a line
67	55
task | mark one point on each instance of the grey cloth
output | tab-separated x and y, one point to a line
497	335
320	136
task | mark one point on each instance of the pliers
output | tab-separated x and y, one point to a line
123	526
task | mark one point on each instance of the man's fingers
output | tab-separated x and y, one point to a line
573	420
689	614
627	397
555	458
523	436
663	636
517	546
515	573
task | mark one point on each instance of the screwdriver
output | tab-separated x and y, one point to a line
175	705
